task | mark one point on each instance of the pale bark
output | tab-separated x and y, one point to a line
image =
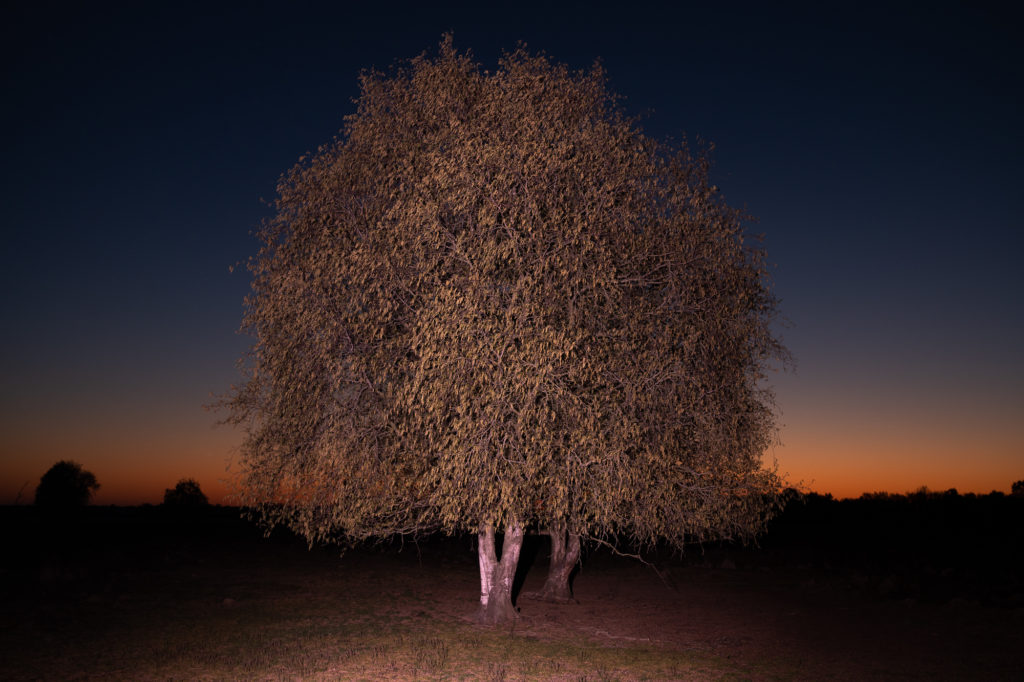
496	576
565	552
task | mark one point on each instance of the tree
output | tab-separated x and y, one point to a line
186	494
565	553
492	303
1017	489
66	485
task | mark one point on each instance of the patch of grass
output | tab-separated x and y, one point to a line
238	624
291	638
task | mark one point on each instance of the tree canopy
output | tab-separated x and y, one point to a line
494	301
66	485
186	494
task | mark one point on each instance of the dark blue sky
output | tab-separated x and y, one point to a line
880	148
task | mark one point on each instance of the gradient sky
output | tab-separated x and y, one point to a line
880	148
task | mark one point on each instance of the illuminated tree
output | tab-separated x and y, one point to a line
493	302
66	485
186	494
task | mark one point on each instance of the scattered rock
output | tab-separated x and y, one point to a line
229	602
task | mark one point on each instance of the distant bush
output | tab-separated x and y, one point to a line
66	485
185	495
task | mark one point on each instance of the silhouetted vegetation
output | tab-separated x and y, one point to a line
922	545
66	486
185	495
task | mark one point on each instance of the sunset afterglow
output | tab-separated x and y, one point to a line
881	158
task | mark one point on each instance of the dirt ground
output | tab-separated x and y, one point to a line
771	616
770	621
803	624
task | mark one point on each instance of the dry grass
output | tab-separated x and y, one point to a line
131	595
300	635
283	613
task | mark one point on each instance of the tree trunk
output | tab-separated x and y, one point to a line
496	576
565	552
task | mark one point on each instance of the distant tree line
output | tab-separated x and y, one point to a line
922	519
924	493
792	495
66	485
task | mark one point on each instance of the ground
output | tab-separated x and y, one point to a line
229	605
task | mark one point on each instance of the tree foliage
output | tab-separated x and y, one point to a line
66	485
186	494
493	300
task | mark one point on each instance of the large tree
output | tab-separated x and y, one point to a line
493	302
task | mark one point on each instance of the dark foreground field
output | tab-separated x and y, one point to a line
832	593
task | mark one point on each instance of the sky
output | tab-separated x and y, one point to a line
879	147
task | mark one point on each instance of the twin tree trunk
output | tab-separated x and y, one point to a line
565	552
497	576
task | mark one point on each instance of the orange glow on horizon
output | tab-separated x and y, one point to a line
128	480
134	464
136	461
